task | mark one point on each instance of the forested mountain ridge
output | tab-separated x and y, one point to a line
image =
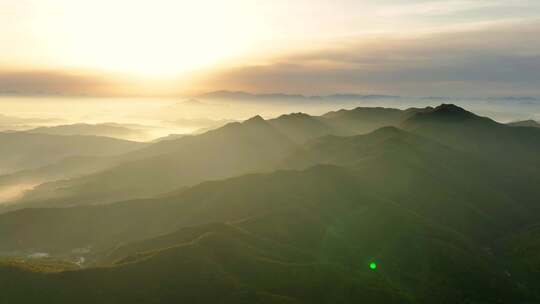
236	148
428	210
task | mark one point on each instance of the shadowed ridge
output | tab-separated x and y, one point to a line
445	113
162	167
297	115
525	123
254	119
467	132
379	134
387	131
301	127
364	119
361	110
413	110
387	143
101	129
24	151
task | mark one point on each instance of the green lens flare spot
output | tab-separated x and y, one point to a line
372	265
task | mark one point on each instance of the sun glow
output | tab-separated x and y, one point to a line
141	37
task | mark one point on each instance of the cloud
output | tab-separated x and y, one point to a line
53	83
8	121
449	7
502	59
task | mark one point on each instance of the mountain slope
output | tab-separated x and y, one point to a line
22	151
461	190
232	264
13	185
398	166
363	120
429	214
301	127
514	151
234	149
466	131
104	129
291	234
525	123
237	148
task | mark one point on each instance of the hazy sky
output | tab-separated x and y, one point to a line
413	47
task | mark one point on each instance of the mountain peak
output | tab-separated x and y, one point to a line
387	131
446	113
255	119
525	123
450	108
297	115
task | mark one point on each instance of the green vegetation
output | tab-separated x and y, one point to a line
21	150
105	129
237	148
431	212
525	123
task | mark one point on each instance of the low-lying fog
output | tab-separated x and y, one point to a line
146	119
152	119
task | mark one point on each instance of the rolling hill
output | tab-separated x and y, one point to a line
104	129
234	149
23	151
237	148
525	123
466	131
310	229
440	221
444	221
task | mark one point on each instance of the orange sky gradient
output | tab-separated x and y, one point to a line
169	48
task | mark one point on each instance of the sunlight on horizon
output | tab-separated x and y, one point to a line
269	151
174	47
133	37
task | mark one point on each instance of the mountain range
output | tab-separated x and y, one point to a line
279	97
525	123
22	150
373	205
104	129
237	148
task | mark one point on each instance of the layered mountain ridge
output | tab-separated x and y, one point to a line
296	210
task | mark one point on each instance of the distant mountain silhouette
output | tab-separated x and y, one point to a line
253	145
363	119
408	214
466	131
104	129
294	209
234	149
7	120
257	145
279	97
301	127
22	151
169	137
525	123
445	113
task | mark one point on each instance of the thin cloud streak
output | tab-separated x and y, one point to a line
53	82
493	61
499	60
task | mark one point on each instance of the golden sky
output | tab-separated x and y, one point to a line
132	47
